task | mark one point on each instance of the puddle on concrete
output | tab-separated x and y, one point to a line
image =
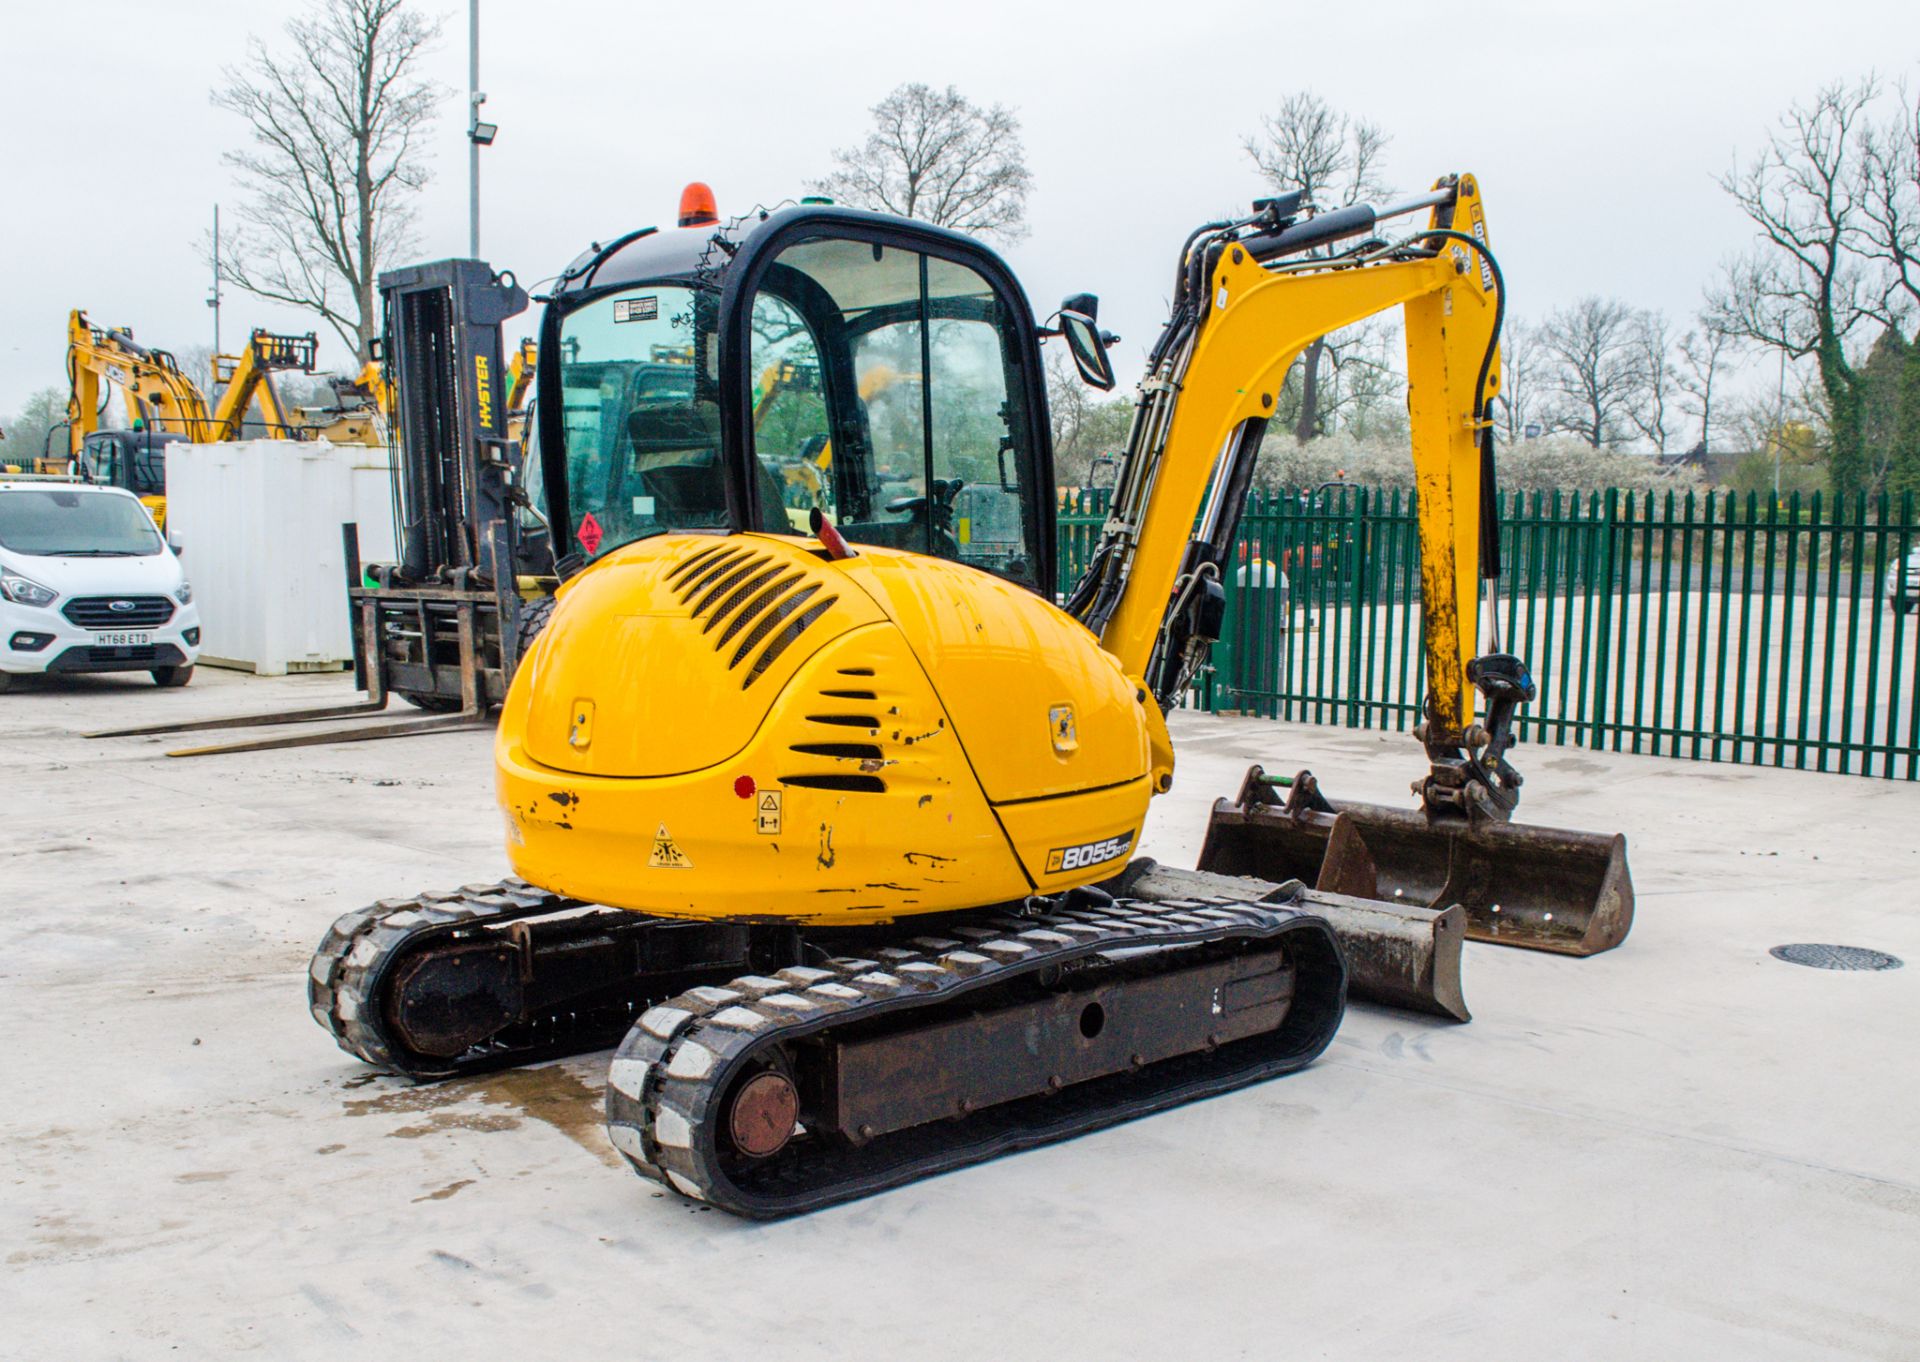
551	1094
454	1120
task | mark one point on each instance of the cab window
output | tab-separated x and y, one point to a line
905	367
639	384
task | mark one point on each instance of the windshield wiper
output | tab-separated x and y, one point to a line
95	553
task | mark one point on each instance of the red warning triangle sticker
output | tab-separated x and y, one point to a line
590	533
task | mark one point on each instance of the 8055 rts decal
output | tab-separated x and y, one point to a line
1062	859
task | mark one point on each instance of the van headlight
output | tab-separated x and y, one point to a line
24	590
184	592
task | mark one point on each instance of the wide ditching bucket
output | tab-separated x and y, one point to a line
1547	889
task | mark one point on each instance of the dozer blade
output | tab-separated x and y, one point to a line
1546	889
1401	954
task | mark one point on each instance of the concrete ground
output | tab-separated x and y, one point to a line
1682	1149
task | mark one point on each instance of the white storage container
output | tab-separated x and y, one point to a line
260	522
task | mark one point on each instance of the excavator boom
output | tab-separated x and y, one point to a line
1249	301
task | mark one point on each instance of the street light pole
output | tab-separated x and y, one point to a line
213	300
474	100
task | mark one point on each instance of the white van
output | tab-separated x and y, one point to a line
88	585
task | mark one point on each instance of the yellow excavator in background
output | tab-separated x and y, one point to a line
362	412
832	830
163	404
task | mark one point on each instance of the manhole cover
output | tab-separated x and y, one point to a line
1834	957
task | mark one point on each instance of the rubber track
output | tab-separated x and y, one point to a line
668	1079
347	969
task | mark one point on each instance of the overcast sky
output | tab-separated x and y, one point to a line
1597	132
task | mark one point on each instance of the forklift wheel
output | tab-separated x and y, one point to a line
171	677
533	618
433	704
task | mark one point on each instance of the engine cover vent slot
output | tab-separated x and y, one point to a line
752	581
730	577
845	720
785	638
751	611
853	751
846	784
848	695
691	563
689	585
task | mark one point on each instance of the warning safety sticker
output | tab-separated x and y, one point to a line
666	853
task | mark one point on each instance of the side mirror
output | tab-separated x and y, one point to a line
1082	335
178	548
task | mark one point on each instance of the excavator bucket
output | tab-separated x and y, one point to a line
1547	889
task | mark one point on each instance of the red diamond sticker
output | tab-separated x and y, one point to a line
590	533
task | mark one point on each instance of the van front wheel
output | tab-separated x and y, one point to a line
171	677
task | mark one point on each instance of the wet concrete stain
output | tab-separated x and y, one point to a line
551	1094
449	1190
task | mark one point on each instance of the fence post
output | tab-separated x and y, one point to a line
1356	600
1603	632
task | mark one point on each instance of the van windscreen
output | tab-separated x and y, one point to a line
55	522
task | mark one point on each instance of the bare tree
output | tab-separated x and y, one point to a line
1890	235
1360	386
1651	411
1522	365
937	156
1086	424
1311	146
1593	369
1805	290
1705	352
336	123
24	436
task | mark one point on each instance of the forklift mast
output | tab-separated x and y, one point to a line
456	477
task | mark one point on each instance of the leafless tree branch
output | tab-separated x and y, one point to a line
937	156
334	121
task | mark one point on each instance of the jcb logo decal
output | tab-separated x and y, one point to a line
483	391
1062	859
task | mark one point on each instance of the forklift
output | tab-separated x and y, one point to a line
444	626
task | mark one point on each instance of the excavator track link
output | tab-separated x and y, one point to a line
350	967
671	1079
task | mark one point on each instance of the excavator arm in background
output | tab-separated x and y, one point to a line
157	391
1246	306
249	375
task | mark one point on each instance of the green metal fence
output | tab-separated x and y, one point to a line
1707	626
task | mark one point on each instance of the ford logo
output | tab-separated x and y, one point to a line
123	606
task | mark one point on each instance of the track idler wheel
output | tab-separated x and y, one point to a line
763	1113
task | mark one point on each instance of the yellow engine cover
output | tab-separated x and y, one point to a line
739	727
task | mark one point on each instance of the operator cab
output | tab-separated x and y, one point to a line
738	378
133	459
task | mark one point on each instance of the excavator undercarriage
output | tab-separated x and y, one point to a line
763	1074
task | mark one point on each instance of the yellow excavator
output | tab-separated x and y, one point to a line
163	404
833	831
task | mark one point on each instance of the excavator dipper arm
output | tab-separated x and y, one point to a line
1248	306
